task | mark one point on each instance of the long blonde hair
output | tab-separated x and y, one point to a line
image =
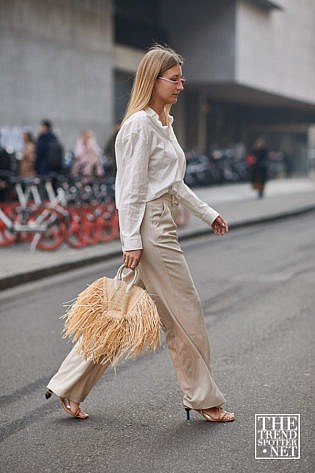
153	64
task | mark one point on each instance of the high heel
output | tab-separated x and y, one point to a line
223	416
220	416
67	407
77	413
187	409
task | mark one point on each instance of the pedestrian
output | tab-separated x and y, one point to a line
87	156
149	187
5	171
259	166
49	151
27	164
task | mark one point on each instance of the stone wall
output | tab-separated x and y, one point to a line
203	32
275	50
56	62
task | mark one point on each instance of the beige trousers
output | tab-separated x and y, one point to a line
165	275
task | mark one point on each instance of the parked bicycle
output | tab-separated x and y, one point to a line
58	209
27	220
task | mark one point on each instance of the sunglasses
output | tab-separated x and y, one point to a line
182	80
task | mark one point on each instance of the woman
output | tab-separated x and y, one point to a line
259	168
149	186
27	164
87	156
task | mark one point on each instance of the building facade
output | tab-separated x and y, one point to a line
250	66
56	61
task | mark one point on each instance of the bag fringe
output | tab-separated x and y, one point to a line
105	334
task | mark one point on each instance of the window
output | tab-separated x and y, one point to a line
137	23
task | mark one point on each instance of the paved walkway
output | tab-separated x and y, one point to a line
237	203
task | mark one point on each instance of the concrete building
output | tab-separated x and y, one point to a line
56	61
250	66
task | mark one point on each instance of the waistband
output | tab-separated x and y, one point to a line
169	197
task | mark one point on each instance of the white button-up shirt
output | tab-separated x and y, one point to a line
150	162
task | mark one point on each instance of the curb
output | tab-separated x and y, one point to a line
30	276
252	222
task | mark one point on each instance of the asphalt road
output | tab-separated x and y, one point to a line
257	286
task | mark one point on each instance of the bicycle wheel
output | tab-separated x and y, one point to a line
109	226
55	232
76	235
91	225
7	235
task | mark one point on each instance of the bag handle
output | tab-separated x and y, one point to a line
119	277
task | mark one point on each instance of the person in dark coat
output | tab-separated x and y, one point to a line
259	168
44	148
5	166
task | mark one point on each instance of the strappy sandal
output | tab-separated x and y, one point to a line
224	416
78	413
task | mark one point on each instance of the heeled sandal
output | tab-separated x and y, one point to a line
224	416
78	413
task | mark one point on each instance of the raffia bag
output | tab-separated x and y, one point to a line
111	319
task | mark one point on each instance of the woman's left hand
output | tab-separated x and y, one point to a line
220	226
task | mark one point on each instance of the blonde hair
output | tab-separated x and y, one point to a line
153	64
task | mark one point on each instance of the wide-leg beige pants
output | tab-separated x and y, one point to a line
165	275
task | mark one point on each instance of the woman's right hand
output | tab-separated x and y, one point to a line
131	258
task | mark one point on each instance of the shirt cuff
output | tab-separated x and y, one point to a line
210	216
131	243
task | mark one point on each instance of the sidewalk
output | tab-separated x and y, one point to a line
237	203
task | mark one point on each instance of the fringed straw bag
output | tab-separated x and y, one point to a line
112	319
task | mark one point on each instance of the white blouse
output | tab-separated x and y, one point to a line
150	163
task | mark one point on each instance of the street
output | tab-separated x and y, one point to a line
257	289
